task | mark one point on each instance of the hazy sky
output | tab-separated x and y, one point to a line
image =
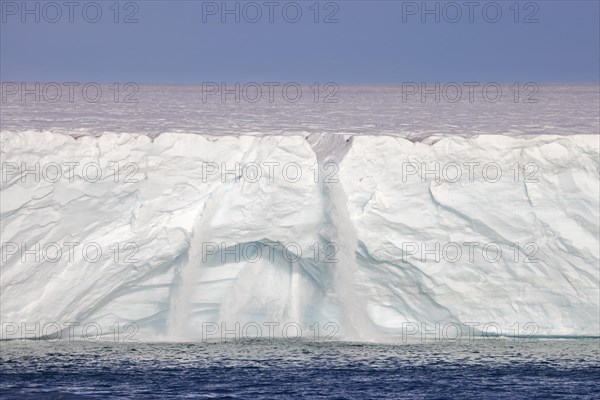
372	41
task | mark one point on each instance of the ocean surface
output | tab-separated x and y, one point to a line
498	368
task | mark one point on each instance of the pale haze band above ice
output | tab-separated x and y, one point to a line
211	108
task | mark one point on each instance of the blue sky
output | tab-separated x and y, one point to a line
370	42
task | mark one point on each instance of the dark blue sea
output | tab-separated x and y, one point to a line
482	369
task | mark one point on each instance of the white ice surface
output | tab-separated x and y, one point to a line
371	213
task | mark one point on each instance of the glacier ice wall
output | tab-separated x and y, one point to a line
374	233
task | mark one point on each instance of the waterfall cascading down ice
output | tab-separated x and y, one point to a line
356	324
191	306
295	290
181	307
339	230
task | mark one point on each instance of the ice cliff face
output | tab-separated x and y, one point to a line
371	233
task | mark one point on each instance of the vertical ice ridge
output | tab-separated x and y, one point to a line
339	229
180	308
330	148
342	233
